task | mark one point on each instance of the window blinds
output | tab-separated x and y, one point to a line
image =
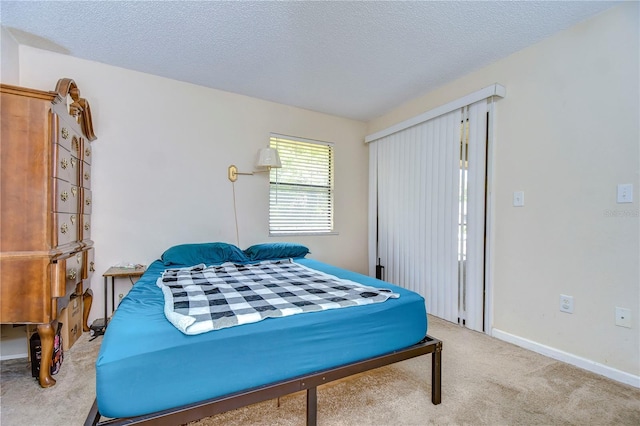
473	281
426	230
416	186
301	192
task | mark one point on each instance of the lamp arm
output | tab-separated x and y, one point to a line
233	173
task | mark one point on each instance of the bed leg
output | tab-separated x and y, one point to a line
312	406
94	415
436	374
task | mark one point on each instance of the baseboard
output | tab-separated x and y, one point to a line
13	356
586	364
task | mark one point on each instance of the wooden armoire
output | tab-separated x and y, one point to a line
46	251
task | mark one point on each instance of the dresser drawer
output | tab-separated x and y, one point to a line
88	267
66	197
74	268
86	201
67	274
67	226
85	227
66	166
86	151
66	136
85	175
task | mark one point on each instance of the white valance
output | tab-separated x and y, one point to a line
487	92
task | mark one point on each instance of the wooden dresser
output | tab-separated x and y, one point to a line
46	251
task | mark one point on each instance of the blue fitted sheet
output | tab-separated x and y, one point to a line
145	364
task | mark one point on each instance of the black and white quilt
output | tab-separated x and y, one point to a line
204	298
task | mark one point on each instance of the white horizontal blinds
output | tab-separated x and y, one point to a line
301	192
417	172
476	195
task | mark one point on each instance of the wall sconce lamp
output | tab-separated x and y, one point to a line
267	157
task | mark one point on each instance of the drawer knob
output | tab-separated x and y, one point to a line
64	228
86	176
73	220
88	201
74	191
86	226
64	196
92	266
64	163
73	163
87	152
72	274
65	133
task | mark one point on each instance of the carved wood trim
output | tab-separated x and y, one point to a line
79	107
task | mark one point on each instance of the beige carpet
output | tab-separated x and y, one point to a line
485	382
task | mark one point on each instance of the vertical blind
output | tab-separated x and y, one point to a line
301	192
426	211
416	187
472	283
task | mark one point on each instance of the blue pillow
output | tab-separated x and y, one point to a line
207	253
267	251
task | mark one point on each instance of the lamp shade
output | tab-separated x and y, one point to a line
268	157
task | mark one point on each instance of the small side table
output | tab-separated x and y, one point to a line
117	272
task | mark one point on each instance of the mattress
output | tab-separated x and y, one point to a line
146	365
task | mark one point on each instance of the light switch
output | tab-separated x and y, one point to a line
625	193
518	199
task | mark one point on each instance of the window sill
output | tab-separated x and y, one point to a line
306	234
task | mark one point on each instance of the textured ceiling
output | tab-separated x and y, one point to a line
353	59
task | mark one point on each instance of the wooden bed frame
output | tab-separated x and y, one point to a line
310	382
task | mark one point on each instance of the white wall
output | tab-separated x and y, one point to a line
567	133
161	157
9	64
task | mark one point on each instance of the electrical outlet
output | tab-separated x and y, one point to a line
623	317
566	303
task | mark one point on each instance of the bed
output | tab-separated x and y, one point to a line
150	372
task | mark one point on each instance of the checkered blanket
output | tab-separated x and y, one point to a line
204	298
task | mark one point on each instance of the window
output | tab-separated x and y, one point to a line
301	191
